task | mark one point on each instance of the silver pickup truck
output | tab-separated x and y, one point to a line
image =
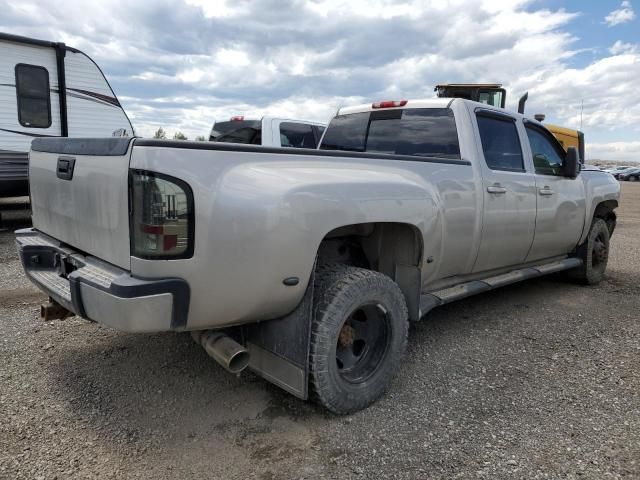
307	265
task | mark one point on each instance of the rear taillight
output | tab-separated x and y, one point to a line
389	104
162	223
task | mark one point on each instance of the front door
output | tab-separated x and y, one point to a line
509	211
561	200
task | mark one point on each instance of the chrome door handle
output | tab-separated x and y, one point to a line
545	191
496	189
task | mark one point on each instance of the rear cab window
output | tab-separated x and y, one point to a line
237	131
418	132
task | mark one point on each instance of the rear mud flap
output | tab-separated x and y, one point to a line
279	349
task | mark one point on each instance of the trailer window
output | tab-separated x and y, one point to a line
411	131
34	98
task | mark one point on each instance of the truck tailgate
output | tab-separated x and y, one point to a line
79	194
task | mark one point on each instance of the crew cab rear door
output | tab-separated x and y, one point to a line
561	203
509	209
79	194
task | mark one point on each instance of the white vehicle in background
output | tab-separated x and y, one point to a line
268	132
48	89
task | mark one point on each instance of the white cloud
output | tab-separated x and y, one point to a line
621	15
182	64
621	48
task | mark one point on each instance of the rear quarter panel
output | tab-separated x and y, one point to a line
261	217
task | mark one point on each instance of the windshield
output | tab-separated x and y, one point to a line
411	131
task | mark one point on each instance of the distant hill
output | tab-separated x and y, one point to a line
611	163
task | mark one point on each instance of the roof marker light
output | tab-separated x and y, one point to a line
237	118
389	104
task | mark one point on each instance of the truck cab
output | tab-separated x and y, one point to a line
268	132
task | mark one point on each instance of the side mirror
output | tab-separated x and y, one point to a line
571	164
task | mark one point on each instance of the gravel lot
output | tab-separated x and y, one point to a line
537	380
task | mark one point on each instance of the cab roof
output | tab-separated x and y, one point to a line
419	103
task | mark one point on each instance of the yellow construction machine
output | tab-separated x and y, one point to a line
494	94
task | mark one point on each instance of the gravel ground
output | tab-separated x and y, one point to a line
536	380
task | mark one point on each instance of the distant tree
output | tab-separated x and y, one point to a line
179	136
160	133
201	138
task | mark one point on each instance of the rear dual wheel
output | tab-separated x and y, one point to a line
358	338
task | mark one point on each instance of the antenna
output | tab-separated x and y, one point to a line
581	110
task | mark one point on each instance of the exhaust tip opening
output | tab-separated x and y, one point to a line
238	362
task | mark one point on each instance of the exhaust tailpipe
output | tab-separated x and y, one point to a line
54	311
223	349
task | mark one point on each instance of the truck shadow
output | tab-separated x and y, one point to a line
143	387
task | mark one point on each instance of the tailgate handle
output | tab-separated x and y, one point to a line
65	166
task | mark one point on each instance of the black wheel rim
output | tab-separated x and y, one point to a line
362	343
599	252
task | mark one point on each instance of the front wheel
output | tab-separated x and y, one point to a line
358	338
594	253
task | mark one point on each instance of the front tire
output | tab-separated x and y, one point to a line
359	335
594	253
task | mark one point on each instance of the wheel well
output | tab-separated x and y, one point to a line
394	249
605	211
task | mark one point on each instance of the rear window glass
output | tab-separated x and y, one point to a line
34	99
248	127
298	135
412	131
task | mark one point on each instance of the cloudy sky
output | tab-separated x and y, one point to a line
181	64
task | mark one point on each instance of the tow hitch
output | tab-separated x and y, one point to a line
54	311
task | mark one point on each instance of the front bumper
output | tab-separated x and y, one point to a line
99	291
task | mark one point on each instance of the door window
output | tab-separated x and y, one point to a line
547	158
298	135
34	98
500	142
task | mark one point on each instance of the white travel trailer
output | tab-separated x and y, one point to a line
48	89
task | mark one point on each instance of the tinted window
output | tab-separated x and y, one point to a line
319	131
346	132
412	131
34	100
222	128
247	135
547	158
297	135
500	143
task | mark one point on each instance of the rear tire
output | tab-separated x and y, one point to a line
632	179
594	253
359	335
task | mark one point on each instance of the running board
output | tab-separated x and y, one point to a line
436	298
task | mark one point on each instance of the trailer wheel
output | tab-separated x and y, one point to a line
358	337
594	253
